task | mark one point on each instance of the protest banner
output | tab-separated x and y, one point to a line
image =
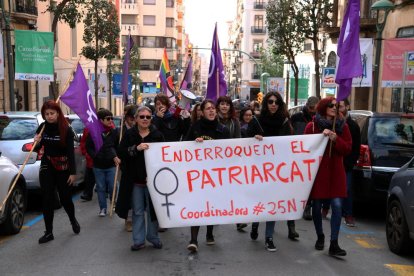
232	181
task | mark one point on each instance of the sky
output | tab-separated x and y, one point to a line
200	17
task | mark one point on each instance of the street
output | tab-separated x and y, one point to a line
103	248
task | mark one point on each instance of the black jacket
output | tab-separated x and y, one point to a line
134	166
173	128
351	159
258	126
208	130
104	158
300	120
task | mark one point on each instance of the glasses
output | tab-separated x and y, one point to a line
331	105
142	117
109	118
272	102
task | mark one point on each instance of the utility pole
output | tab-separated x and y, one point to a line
9	54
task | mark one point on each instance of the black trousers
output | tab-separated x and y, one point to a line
89	182
50	180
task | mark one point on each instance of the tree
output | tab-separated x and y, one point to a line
315	15
286	36
101	33
271	63
67	11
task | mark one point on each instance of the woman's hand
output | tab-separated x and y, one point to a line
259	137
37	138
142	147
199	140
71	179
185	114
330	134
160	112
117	161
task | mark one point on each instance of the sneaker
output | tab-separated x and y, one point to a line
86	198
128	225
349	221
210	240
320	243
241	226
325	213
102	213
193	246
254	234
47	237
269	245
136	247
75	226
157	245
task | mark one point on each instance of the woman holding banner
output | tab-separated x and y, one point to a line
330	181
134	189
272	121
207	128
57	168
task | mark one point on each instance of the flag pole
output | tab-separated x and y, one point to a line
333	127
33	146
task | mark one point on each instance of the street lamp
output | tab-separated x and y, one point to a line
382	7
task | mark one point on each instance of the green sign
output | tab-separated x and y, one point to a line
34	55
303	88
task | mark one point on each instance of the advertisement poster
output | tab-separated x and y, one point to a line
393	62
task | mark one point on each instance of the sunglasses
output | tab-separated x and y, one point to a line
142	117
109	118
331	105
272	102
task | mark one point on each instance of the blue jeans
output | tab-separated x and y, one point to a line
336	204
140	205
270	227
347	202
104	179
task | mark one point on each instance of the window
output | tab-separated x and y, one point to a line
258	21
257	45
74	41
149	2
150	64
156	42
170	4
149	20
17	128
405	32
169	22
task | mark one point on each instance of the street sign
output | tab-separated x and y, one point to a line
410	63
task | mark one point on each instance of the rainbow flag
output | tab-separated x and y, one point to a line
167	84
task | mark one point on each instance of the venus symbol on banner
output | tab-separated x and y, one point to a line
164	186
90	110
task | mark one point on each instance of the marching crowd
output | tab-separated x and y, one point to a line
124	148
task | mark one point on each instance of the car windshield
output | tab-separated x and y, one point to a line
77	126
393	130
17	128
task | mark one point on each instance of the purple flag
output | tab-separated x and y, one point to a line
216	85
125	70
186	84
78	98
349	52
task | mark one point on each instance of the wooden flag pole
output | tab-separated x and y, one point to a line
31	150
333	129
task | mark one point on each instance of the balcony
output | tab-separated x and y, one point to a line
125	28
258	30
255	76
259	6
255	54
29	9
129	8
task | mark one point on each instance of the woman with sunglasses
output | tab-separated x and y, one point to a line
134	189
273	120
105	160
330	181
207	128
57	167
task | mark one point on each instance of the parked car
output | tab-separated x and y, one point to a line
12	213
17	130
400	212
387	143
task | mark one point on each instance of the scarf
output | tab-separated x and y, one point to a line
324	123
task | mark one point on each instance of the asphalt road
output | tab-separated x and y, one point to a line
103	248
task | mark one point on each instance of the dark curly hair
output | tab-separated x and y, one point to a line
282	109
226	99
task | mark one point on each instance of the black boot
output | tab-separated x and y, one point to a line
320	243
75	226
47	237
254	234
335	250
292	232
307	215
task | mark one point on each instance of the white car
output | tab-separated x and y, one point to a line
12	213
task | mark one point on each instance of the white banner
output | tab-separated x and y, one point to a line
1	58
366	45
232	181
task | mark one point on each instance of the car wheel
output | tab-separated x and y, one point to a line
396	228
16	206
